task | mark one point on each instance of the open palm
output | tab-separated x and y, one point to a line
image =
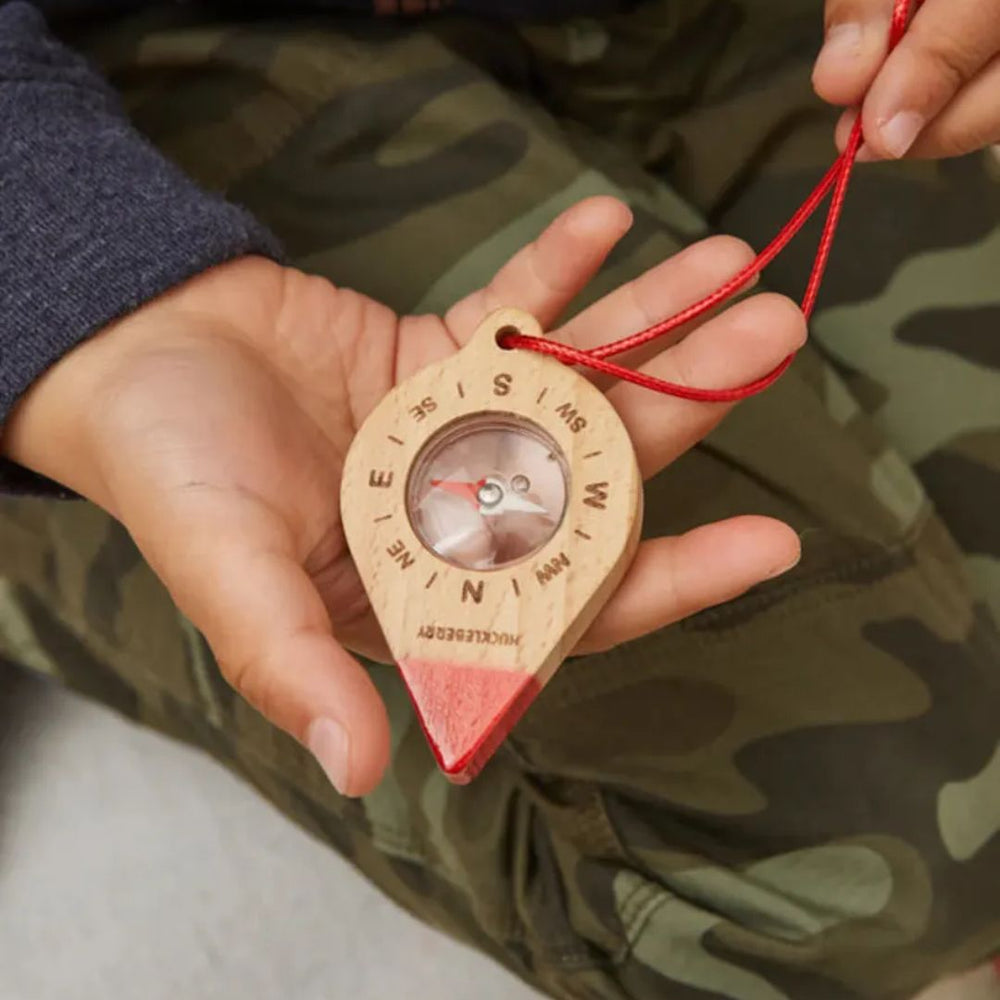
227	408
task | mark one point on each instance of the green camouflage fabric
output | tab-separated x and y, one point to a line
794	796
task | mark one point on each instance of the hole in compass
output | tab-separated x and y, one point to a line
503	334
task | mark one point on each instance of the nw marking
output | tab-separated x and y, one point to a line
384	517
592	454
394	439
552	568
583	534
434	576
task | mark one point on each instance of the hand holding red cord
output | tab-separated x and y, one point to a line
936	94
836	178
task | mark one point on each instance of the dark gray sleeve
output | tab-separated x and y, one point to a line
93	220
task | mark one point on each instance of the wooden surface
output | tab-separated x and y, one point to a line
476	646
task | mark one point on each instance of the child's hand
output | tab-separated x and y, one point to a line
214	422
937	94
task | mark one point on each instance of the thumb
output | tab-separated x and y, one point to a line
855	46
229	563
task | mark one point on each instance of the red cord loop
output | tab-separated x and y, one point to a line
837	179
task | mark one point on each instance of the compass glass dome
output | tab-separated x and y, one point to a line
487	491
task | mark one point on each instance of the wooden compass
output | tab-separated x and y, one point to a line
492	504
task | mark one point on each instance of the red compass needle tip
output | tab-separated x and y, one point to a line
465	490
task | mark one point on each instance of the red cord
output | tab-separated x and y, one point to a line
836	178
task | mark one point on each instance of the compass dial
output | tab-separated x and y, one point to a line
487	491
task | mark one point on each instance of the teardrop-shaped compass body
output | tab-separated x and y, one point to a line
492	503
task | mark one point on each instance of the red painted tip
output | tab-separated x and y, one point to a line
466	711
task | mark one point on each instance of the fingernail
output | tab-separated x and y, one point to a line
781	570
843	44
900	132
329	743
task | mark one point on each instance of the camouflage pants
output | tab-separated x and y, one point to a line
795	795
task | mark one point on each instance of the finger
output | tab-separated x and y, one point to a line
946	46
744	343
855	46
970	122
672	578
662	291
842	131
546	275
237	579
842	134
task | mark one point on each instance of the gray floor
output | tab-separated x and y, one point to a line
133	869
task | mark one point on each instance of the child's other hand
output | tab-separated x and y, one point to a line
213	423
938	92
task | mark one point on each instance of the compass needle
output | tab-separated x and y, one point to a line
460	488
494	505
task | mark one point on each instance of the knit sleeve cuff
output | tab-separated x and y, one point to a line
94	222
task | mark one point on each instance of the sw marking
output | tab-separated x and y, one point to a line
573	418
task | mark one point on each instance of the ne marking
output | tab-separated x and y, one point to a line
541	395
592	454
461	391
384	517
583	534
434	576
394	439
516	586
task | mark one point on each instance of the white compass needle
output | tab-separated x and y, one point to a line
511	504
